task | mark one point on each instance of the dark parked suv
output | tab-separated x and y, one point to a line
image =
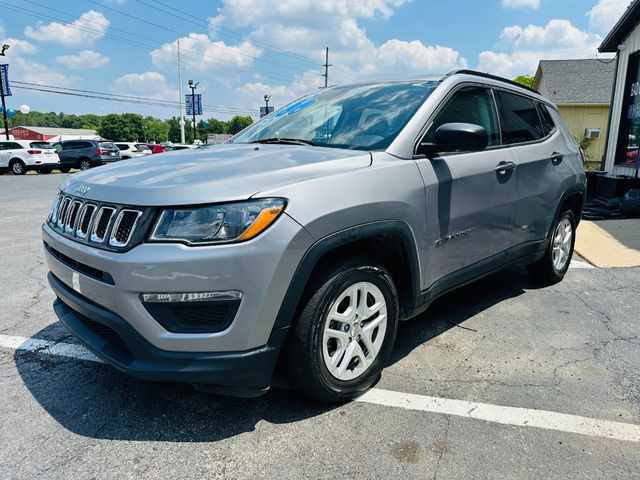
84	154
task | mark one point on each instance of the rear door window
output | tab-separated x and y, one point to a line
71	145
520	119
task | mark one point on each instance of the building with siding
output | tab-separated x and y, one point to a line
582	91
623	142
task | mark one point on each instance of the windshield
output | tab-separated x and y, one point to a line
359	117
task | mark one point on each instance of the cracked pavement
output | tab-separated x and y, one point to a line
571	348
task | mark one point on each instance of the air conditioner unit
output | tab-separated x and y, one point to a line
592	133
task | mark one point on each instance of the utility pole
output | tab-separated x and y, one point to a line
266	103
181	121
193	86
326	69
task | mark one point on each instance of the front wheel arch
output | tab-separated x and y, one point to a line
337	246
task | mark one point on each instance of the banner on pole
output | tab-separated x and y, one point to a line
264	111
189	102
4	80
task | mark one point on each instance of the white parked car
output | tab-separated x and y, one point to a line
133	150
19	156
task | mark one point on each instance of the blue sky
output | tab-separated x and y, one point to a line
240	50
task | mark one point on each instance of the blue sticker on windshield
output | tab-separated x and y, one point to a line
296	107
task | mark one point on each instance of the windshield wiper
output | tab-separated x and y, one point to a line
285	141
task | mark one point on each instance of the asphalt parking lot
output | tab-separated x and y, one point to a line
500	379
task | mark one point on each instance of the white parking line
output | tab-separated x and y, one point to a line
514	416
580	264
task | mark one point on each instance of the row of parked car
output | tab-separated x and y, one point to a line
20	156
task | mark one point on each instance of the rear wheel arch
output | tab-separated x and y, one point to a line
391	243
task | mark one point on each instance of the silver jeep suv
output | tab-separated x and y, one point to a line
311	234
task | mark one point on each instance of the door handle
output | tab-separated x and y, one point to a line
504	167
556	157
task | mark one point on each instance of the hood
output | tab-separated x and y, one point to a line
221	173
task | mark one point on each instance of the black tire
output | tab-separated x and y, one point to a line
44	170
85	164
304	349
544	271
64	169
17	167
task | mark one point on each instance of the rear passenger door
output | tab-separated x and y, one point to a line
529	129
469	195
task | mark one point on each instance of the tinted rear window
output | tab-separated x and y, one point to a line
142	146
40	145
107	145
520	120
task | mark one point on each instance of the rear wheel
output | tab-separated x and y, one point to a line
345	332
553	266
85	164
18	167
64	169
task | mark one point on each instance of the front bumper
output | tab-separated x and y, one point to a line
261	269
113	339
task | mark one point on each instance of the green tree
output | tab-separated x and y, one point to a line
125	127
238	123
526	80
155	130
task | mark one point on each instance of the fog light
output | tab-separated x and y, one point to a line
191	297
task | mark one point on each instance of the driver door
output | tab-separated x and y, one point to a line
469	195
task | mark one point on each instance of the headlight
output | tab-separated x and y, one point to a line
233	222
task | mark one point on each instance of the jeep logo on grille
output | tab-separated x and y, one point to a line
82	189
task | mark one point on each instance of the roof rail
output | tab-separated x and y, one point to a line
492	77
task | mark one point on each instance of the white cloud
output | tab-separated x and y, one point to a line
85	30
200	54
146	84
604	15
32	72
18	46
305	27
521	48
535	4
84	59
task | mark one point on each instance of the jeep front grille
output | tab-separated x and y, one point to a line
106	226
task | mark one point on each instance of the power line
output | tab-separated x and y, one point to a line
232	34
176	32
123	98
171	52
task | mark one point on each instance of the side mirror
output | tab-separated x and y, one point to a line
457	137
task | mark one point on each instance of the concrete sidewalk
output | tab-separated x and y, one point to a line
609	243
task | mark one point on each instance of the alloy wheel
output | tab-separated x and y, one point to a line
562	239
354	330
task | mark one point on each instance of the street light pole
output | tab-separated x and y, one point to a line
193	86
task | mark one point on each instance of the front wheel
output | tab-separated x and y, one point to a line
553	266
345	332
